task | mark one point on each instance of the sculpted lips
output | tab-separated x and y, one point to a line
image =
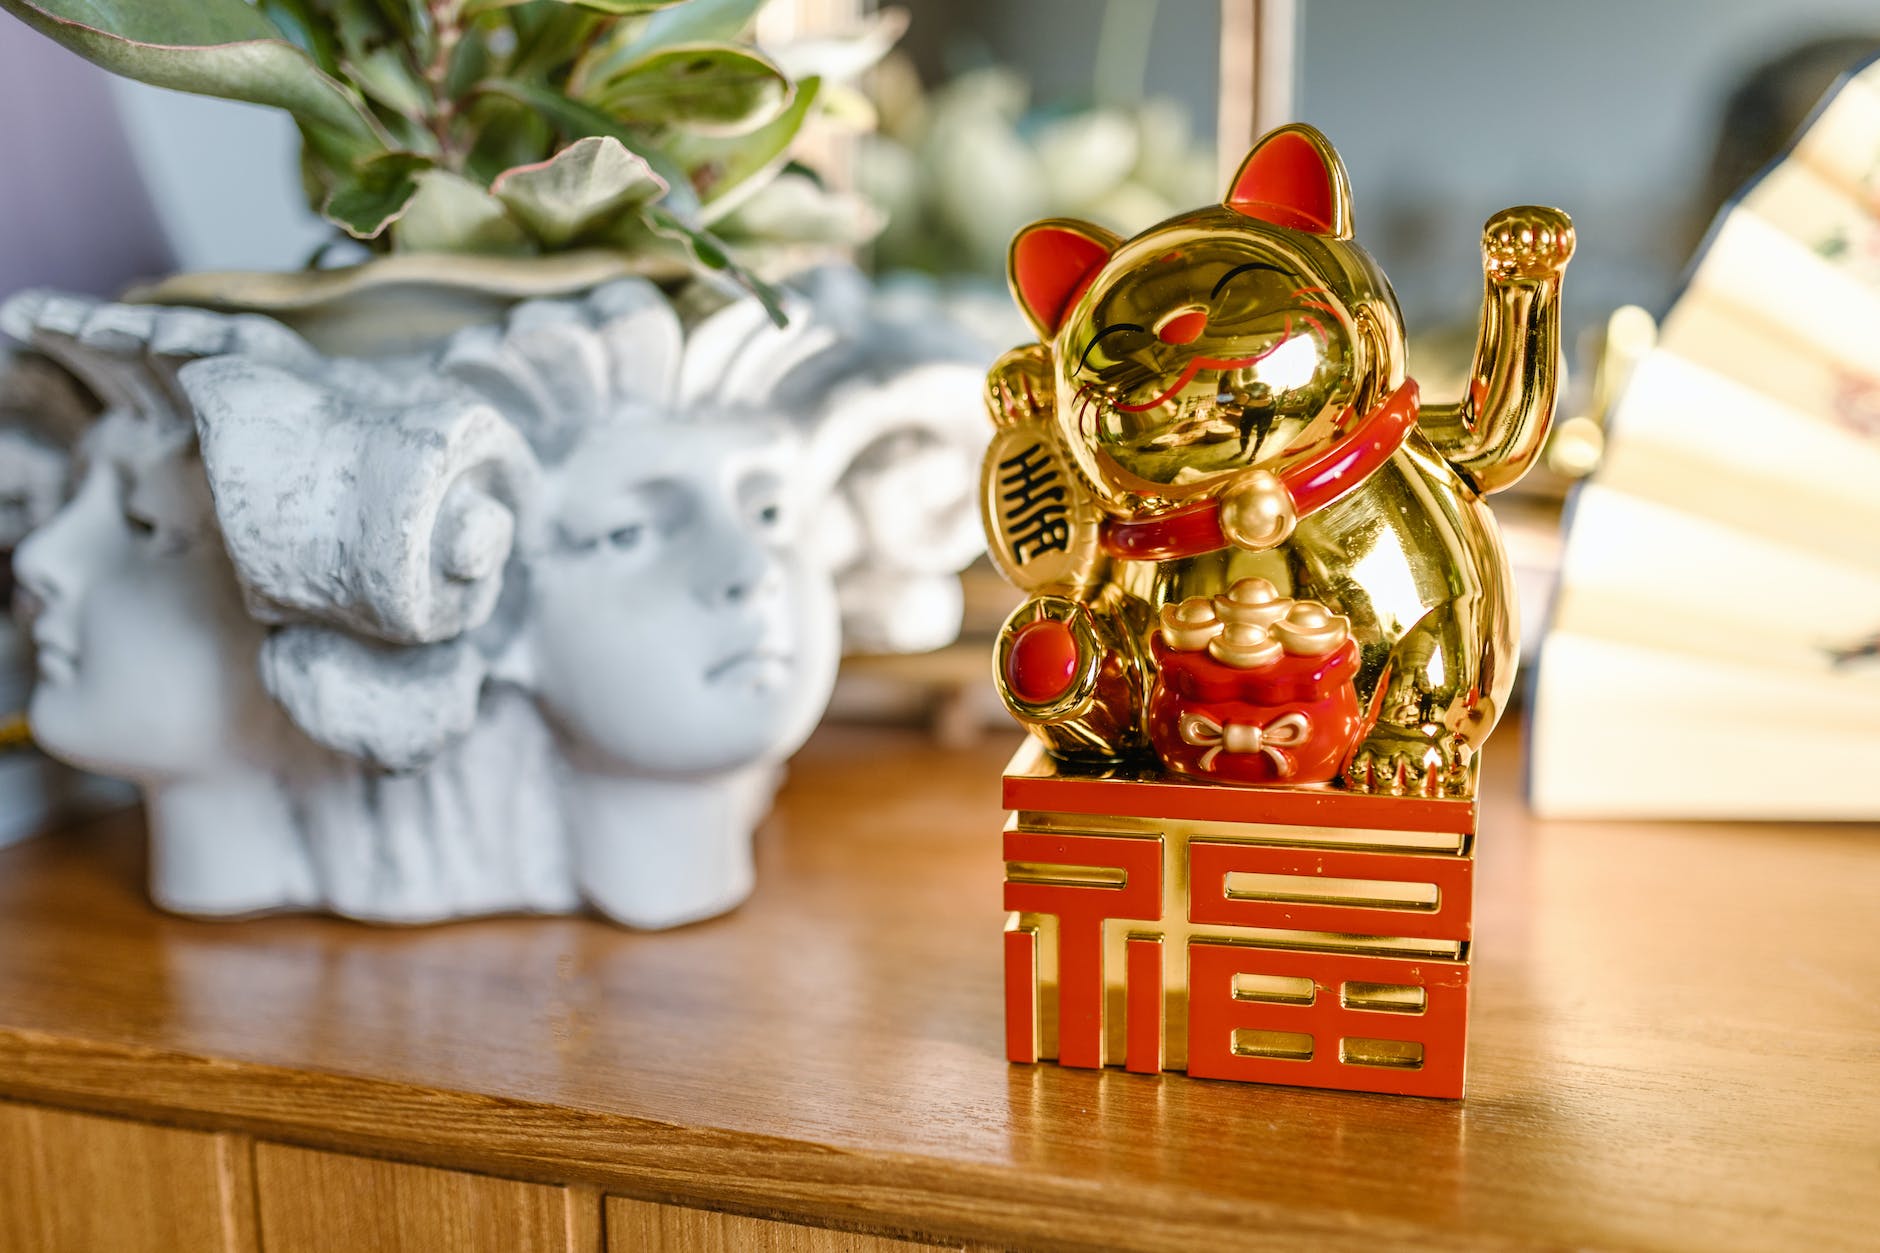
754	665
57	663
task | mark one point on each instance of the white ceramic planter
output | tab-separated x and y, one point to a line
518	619
41	415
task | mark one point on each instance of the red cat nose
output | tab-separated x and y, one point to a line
1184	326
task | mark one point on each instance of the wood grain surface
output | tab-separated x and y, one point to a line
1676	1041
641	1226
313	1202
73	1183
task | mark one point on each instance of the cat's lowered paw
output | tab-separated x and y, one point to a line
1409	761
1527	242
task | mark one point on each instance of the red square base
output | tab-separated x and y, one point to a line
1279	935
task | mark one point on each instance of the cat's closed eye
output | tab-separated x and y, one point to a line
1118	340
1251	267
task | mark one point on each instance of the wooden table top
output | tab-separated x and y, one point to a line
1676	1040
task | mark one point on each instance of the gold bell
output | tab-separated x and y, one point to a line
1257	511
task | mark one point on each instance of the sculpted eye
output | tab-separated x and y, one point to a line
626	537
761	500
165	539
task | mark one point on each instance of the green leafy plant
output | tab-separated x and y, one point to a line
486	126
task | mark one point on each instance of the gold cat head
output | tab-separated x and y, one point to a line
1244	334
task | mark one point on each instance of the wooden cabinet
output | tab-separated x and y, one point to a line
73	1183
640	1226
1670	1020
313	1202
77	1183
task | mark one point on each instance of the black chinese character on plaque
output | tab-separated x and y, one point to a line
1035	518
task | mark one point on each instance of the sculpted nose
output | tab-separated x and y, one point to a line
1182	326
732	569
43	563
28	584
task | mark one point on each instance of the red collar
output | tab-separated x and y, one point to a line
1194	529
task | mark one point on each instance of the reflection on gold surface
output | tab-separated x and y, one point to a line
1245	364
1250	833
1252	1043
1356	1051
1397	998
1376	893
1282	989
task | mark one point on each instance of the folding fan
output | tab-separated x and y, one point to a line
1715	649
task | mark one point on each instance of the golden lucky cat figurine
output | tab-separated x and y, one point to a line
1251	552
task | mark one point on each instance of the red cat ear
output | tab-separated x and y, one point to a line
1293	178
1050	264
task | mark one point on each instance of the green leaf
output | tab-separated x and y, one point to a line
508	133
581	187
385	77
359	26
709	251
223	48
697	21
712	88
549	34
316	176
407	17
452	214
619	8
469	61
577	120
376	194
721	167
624	8
305	28
694	22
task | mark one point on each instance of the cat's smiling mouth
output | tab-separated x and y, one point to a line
1188	376
1199	364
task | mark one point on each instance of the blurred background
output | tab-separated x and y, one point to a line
1444	111
1640	119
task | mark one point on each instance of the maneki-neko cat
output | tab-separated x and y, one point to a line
1253	553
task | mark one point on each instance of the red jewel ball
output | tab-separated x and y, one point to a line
1042	664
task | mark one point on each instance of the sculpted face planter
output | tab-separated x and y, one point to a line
41	415
520	622
680	637
146	665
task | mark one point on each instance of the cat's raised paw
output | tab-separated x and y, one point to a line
1527	242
